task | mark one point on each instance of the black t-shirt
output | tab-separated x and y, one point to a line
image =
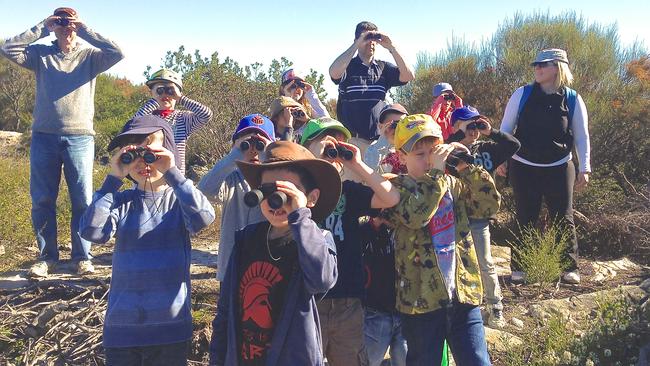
362	94
379	260
263	281
343	223
490	153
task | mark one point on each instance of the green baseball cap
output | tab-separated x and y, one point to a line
165	75
315	127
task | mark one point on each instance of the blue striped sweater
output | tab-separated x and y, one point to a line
149	298
183	122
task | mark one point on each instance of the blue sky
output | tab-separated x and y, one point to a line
309	33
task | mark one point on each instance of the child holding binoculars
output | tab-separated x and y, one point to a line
267	306
149	314
166	91
224	183
340	311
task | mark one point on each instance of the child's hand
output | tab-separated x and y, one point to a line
177	92
164	158
118	169
486	131
297	198
439	156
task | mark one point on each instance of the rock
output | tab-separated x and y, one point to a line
9	281
579	307
501	340
2	249
501	257
606	270
536	312
645	285
517	323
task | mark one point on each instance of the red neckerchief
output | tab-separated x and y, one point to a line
163	112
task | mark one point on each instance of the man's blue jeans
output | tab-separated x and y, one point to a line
174	354
48	153
382	330
460	324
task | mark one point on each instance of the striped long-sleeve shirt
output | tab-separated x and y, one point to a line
183	122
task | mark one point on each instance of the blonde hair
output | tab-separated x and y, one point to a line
564	75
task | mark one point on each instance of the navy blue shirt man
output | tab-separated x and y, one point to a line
363	81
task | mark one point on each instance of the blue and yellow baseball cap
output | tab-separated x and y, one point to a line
415	127
315	127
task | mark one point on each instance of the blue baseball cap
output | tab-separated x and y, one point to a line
464	114
255	122
441	88
146	125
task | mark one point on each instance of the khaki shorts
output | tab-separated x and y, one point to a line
341	322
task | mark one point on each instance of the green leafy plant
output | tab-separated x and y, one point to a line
540	253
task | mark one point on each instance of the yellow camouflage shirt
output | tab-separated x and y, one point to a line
420	288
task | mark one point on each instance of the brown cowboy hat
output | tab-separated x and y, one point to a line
284	154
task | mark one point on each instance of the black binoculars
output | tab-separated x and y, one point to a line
64	22
268	191
373	35
147	155
299	84
298	113
457	156
334	152
169	90
477	125
258	144
450	97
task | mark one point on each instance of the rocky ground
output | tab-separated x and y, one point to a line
44	316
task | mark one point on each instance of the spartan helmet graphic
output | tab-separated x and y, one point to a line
254	293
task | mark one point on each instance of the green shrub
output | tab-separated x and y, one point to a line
540	253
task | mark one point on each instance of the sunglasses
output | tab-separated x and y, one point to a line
169	90
393	124
544	64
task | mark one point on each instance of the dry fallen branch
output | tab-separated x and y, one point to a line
54	323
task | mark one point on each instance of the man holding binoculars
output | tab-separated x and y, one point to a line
62	129
364	81
226	185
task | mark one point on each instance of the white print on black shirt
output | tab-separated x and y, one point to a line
334	222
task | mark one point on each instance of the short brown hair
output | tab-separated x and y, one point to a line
364	27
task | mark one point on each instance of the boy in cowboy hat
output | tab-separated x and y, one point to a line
267	311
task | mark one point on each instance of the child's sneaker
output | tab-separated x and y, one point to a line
41	268
496	319
572	278
85	267
518	277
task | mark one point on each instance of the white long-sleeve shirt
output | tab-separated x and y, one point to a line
579	127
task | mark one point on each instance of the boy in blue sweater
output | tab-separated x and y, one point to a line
148	319
267	312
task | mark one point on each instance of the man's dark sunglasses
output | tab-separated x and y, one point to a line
169	90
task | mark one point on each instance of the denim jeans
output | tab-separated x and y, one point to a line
460	324
165	354
48	153
481	236
381	331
